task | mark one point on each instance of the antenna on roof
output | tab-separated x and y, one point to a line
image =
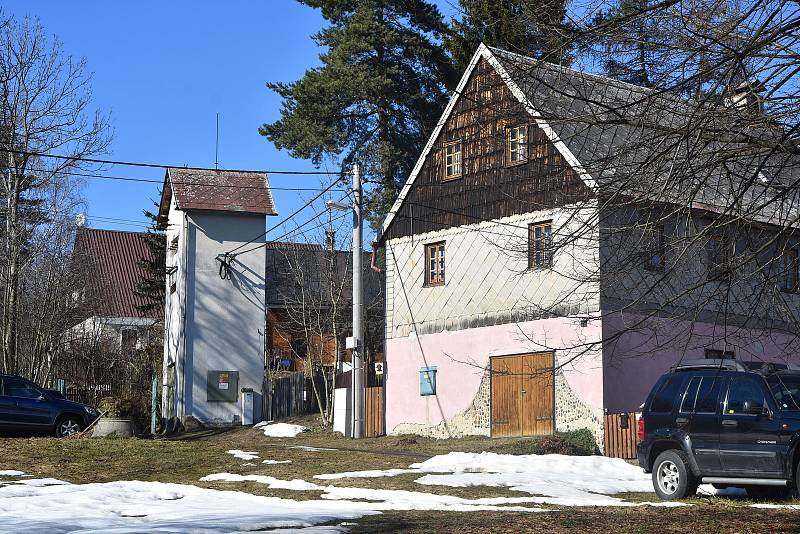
216	147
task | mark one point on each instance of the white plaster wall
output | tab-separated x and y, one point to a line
225	318
487	279
174	316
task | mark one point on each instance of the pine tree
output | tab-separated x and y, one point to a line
152	285
533	28
376	96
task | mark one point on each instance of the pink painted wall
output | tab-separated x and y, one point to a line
647	347
461	357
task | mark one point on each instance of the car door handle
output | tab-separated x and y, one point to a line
681	421
730	422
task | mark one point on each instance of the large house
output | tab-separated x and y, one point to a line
215	223
509	310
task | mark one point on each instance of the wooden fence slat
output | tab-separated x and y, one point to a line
374	413
619	439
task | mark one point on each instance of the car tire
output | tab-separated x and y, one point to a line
767	493
672	477
68	425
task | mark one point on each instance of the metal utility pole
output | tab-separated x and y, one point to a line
356	341
358	332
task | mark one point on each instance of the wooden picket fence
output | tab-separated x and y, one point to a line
619	433
374	412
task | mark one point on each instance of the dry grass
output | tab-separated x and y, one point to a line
186	459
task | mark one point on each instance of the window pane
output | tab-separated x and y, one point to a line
687	405
664	400
17	388
743	393
708	395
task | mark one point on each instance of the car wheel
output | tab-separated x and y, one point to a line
68	426
761	493
672	478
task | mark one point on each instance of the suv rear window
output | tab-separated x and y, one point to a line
664	400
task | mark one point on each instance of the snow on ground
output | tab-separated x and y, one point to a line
243	455
556	479
133	506
12	473
274	462
385	499
310	449
280	430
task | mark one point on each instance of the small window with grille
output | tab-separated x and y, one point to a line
452	160
434	264
517	145
540	245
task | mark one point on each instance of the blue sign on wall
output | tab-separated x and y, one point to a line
427	381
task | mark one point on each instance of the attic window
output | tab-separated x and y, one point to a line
517	145
452	160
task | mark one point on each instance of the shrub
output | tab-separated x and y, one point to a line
573	443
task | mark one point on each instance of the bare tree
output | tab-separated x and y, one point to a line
44	109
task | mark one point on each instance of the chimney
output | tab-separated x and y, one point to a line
746	97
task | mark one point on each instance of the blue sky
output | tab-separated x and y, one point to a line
164	69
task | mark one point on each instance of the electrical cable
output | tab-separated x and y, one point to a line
301	208
159	165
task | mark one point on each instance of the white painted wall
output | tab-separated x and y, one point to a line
211	323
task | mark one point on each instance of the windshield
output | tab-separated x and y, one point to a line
786	390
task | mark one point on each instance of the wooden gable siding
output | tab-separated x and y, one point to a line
488	188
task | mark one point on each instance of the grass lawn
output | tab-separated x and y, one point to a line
188	458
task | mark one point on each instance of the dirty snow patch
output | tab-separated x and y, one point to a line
310	449
133	506
275	462
280	430
272	482
383	500
11	473
243	455
552	478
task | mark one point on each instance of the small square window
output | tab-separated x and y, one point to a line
789	275
427	381
517	145
434	264
452	160
540	245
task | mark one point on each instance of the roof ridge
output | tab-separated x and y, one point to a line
562	68
86	228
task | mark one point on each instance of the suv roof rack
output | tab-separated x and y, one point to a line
710	363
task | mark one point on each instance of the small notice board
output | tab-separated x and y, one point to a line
223	386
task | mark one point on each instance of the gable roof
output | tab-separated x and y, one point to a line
109	268
209	190
609	131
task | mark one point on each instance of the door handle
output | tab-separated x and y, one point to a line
681	421
730	422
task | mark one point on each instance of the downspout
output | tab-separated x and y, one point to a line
374	257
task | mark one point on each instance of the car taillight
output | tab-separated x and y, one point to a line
640	428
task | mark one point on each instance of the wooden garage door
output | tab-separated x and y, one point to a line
522	394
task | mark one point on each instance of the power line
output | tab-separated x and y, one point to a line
147	180
160	165
298	210
290	232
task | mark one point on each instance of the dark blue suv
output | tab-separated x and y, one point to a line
723	422
27	408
